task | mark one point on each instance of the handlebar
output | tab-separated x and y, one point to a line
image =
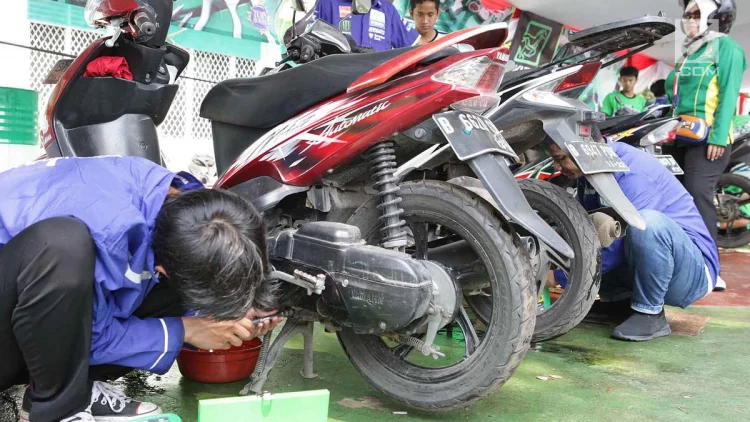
144	25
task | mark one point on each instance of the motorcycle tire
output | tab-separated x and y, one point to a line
512	321
556	205
723	240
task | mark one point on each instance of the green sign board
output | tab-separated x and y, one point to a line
18	116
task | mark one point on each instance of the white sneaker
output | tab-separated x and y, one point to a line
721	285
80	417
108	404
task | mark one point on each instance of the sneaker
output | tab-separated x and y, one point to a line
721	285
80	417
642	327
23	416
108	404
612	313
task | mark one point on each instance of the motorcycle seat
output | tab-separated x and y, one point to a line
266	101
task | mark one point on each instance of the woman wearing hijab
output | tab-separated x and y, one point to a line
705	86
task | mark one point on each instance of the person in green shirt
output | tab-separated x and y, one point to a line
625	102
706	84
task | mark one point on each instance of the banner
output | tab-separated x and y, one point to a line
242	28
535	41
460	14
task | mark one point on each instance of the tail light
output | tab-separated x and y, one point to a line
664	133
583	77
481	74
478	73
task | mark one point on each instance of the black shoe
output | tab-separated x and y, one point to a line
642	327
612	313
108	404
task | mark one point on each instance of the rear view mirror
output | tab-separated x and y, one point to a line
298	5
361	7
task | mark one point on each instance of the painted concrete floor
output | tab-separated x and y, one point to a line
677	378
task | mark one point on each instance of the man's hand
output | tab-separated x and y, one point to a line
714	152
206	333
266	325
551	281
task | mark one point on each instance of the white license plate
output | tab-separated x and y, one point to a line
595	157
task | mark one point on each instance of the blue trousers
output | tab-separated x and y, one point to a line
663	267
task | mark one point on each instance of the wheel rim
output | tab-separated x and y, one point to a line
729	201
461	340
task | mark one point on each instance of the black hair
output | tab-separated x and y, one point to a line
413	4
629	71
212	245
659	88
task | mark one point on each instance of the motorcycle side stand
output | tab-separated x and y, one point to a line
269	353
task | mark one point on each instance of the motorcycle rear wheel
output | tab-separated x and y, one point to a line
732	238
562	211
509	329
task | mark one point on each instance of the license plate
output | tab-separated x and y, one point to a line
472	135
594	157
57	71
670	163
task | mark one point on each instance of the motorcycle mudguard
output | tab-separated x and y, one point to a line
497	178
608	189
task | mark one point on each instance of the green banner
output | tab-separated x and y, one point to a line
18	116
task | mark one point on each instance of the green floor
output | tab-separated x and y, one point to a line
672	379
703	378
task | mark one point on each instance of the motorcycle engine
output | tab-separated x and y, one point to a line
371	289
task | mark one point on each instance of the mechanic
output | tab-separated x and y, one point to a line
99	260
425	14
382	28
672	262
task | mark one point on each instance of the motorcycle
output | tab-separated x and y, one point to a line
386	264
555	115
732	199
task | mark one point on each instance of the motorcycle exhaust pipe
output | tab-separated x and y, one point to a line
607	228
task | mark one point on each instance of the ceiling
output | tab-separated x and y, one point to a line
587	13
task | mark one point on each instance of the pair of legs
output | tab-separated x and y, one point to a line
700	179
46	304
663	267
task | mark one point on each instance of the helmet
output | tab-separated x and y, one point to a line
725	13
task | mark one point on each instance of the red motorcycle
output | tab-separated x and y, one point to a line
396	261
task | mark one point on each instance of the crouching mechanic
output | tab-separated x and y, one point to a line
99	260
673	261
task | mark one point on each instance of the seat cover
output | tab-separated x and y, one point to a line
266	101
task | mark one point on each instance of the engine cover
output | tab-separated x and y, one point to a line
369	288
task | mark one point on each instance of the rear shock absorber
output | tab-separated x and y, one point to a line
382	159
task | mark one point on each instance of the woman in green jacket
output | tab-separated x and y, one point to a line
708	78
